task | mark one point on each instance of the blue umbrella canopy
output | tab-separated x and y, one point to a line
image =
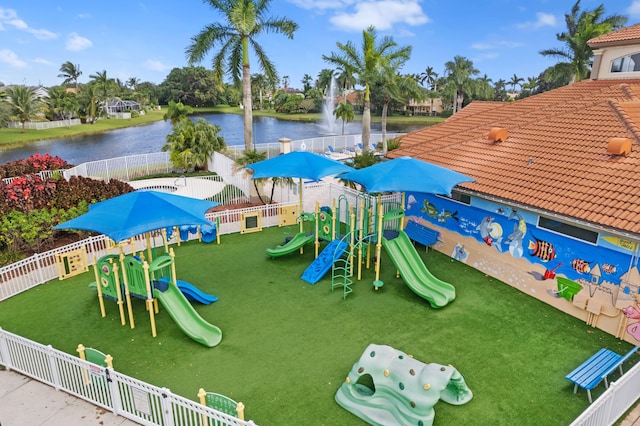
138	212
298	164
406	174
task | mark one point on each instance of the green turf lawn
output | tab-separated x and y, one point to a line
287	345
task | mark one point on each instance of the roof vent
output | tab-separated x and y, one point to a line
619	146
498	134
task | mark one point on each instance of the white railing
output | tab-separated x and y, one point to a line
614	402
44	175
42	125
123	168
121	394
320	144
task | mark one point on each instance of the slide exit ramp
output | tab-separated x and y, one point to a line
415	274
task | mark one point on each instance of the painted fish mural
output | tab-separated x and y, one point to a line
608	268
581	266
485	229
429	209
517	236
432	211
446	214
543	250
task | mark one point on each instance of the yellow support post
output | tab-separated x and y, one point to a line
127	293
99	287
150	301
123	320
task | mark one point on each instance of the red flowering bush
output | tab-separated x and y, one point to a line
34	164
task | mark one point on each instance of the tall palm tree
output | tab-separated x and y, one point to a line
346	81
515	81
70	73
102	82
459	73
483	89
323	82
582	26
133	82
428	76
366	64
395	87
244	20
24	103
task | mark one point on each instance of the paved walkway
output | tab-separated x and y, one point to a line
27	402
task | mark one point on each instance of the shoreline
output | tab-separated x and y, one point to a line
15	138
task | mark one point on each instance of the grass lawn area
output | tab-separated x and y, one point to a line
13	137
287	346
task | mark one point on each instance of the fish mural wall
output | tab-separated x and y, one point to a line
515	233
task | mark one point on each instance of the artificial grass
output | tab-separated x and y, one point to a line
287	345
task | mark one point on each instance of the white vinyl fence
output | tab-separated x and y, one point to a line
614	402
116	392
42	125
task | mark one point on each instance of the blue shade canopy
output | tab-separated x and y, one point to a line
298	164
138	212
406	174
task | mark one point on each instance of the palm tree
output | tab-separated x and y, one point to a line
133	82
430	77
366	64
24	103
483	89
176	112
323	81
459	72
582	26
306	83
102	82
192	144
245	21
259	81
70	73
344	111
395	87
515	81
251	156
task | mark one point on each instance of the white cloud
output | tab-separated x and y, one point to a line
42	61
320	4
634	9
156	65
76	42
10	58
9	17
84	15
542	20
496	45
381	14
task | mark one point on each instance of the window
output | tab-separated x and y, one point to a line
458	196
630	63
569	230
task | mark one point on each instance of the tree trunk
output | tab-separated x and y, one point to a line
385	108
246	108
366	120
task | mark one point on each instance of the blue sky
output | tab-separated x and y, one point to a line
147	39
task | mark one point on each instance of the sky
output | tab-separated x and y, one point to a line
146	39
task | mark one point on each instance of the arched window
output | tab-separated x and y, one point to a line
629	63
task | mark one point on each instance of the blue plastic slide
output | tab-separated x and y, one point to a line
193	293
332	252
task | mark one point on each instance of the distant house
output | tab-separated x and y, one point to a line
118	108
556	191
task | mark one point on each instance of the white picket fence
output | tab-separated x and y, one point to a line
121	394
42	125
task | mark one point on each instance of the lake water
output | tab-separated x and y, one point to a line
150	138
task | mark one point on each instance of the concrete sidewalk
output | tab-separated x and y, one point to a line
27	402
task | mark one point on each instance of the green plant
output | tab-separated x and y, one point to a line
393	144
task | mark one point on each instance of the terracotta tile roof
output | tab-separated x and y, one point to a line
627	34
555	158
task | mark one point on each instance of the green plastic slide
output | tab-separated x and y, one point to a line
301	239
415	274
189	321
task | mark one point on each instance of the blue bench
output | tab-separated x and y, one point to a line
597	368
421	234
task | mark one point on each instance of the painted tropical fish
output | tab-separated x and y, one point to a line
429	209
608	268
543	250
581	266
